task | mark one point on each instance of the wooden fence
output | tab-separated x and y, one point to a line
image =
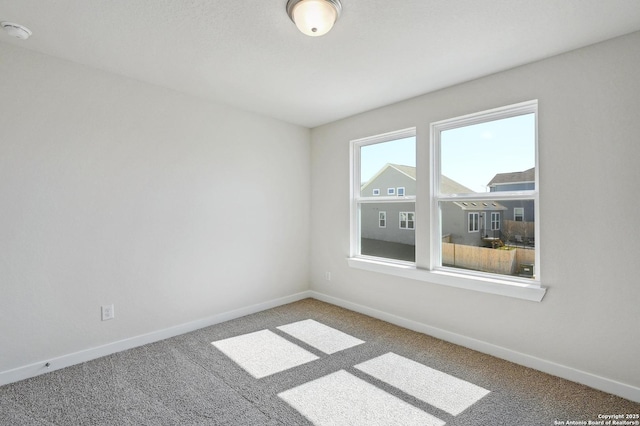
498	261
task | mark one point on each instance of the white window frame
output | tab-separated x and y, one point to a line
427	225
411	218
391	191
476	222
376	191
400	191
495	221
382	219
521	214
357	199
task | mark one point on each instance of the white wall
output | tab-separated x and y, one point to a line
115	191
589	136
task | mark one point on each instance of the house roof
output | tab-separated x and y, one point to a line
479	205
514	177
448	186
409	171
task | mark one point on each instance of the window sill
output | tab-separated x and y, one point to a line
519	289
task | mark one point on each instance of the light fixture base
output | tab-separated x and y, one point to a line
16	30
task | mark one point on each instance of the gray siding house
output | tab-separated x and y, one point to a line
522	211
469	222
472	223
519	221
390	221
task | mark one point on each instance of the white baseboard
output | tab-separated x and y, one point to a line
597	382
38	368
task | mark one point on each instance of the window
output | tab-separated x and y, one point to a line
495	221
474	221
382	219
384	161
485	160
376	191
407	220
476	170
518	214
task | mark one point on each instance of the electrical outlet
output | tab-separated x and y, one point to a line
108	312
327	276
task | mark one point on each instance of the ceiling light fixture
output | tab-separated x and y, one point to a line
314	17
16	30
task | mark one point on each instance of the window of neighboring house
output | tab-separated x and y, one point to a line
407	220
382	219
382	161
400	191
463	161
376	191
518	214
495	221
474	222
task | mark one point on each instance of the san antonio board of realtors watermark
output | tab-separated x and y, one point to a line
604	420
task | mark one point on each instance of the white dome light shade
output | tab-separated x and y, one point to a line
314	17
16	30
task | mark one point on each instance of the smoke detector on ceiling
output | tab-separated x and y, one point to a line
16	30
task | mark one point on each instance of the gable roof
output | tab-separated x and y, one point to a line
409	171
514	177
448	186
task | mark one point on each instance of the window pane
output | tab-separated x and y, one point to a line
507	250
374	159
496	155
388	166
391	242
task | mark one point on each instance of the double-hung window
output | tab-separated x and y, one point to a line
495	221
488	162
407	220
384	161
518	214
469	219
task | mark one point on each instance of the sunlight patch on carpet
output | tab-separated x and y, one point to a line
320	336
434	387
263	353
341	398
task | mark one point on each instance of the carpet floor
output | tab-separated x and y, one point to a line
305	363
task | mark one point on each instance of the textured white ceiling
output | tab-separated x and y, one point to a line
250	55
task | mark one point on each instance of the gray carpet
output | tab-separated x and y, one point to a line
186	380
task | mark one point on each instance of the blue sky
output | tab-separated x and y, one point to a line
471	155
374	157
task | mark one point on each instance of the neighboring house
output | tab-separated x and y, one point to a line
469	223
520	215
472	223
516	181
392	222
